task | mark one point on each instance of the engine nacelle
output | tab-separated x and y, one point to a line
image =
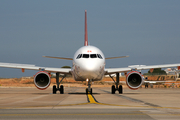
42	80
134	80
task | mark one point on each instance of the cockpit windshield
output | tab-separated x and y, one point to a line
99	56
79	56
89	56
93	56
85	55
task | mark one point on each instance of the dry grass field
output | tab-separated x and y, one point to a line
70	82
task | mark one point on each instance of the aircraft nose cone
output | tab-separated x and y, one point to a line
90	69
90	66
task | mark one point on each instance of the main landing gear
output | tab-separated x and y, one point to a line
61	88
116	86
146	85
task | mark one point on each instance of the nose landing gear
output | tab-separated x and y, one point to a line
89	89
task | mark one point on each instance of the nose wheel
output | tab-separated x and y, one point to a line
88	92
57	87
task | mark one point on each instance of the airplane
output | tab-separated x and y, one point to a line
88	64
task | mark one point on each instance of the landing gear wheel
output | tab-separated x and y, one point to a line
86	91
120	89
61	89
91	91
113	90
54	89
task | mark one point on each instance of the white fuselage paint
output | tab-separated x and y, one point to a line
91	68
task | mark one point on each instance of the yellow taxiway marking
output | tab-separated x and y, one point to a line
91	99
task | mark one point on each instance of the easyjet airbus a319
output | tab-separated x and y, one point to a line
88	64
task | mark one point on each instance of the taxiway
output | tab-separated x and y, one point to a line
30	103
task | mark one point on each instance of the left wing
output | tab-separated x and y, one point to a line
33	67
137	67
116	57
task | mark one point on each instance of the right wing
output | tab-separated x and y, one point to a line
33	67
58	57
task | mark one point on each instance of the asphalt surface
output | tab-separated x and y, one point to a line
31	103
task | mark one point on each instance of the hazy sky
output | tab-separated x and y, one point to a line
146	30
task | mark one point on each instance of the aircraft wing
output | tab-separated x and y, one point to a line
33	67
116	57
109	71
58	57
137	67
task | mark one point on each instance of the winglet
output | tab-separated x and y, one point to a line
86	34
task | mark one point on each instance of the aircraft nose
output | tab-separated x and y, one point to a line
90	69
90	66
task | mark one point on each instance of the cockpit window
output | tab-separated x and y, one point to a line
79	56
89	56
85	55
93	56
99	56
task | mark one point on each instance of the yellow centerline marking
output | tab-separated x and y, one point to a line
91	99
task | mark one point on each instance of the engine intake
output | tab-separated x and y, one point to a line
42	80
134	80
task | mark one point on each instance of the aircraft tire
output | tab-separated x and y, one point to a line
120	89
91	91
86	91
113	89
54	89
146	85
61	89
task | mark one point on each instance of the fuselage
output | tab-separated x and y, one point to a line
88	64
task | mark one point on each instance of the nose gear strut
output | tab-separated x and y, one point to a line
89	89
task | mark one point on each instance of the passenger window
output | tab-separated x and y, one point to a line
93	56
85	55
99	56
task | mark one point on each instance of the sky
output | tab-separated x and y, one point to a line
146	30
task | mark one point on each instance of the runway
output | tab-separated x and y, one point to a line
30	103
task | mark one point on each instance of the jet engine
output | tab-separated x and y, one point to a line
134	80
42	80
